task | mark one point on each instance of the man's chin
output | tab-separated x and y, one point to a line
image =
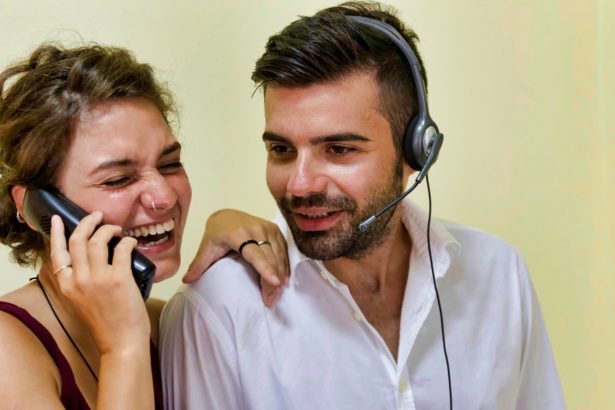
320	245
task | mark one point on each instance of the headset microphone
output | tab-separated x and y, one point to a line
433	155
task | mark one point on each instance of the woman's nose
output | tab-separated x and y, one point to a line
158	195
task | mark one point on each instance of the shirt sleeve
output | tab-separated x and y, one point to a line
198	360
539	381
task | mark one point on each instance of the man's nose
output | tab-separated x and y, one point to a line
307	176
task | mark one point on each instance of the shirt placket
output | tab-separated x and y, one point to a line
361	320
419	299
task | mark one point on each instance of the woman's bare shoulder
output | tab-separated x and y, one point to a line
26	367
27	297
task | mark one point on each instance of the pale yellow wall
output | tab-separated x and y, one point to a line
521	89
606	289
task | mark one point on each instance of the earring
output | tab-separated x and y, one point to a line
20	218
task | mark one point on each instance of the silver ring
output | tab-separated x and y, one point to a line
55	272
154	206
259	243
20	218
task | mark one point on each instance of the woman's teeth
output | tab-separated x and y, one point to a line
154	229
154	243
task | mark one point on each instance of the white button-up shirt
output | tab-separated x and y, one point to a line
223	349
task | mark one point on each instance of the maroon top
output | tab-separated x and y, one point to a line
70	395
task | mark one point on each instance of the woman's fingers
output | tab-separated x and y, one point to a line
265	249
267	253
98	247
262	259
78	243
122	256
88	248
207	254
103	295
280	251
59	252
123	250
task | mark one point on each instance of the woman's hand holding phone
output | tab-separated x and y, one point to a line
104	296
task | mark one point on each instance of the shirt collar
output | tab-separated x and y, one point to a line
295	257
415	221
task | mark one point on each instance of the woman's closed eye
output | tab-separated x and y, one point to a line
117	182
170	167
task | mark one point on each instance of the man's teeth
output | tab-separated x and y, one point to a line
154	229
321	215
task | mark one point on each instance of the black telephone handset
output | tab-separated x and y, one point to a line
41	204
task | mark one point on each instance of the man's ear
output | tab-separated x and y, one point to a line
19	193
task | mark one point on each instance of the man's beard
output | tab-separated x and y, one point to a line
345	239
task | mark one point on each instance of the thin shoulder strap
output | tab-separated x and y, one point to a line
70	394
156	375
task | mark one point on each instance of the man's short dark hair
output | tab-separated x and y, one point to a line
327	47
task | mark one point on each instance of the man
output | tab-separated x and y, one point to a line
358	326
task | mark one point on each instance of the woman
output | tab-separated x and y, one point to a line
93	123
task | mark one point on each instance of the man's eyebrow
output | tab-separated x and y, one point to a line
270	136
344	137
119	163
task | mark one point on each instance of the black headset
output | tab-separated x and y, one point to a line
421	145
422	139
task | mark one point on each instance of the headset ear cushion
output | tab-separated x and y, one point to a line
408	145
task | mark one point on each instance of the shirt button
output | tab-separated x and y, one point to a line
401	386
357	316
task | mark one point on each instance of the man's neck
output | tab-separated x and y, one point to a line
381	265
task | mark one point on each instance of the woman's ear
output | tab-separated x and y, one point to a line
19	193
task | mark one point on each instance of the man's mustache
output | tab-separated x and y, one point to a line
320	200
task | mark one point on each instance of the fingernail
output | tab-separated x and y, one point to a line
275	280
268	301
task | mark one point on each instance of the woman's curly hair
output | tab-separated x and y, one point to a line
41	101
